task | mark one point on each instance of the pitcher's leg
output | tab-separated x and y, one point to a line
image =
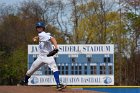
54	68
52	65
35	66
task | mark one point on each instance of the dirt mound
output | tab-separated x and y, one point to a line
39	89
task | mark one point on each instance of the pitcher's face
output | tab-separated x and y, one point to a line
39	29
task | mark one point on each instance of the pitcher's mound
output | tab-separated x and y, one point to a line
39	89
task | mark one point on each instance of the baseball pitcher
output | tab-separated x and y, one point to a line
46	53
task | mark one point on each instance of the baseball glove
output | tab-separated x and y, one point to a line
52	52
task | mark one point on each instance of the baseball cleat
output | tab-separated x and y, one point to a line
60	87
23	83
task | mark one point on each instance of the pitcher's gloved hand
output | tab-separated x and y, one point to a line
52	52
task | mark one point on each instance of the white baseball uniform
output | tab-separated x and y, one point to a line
45	47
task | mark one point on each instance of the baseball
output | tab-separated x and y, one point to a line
35	38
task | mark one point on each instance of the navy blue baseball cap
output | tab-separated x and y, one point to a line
40	24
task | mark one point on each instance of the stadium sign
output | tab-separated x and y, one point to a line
91	64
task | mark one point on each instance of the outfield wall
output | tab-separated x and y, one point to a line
91	64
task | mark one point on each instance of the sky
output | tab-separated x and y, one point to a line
10	2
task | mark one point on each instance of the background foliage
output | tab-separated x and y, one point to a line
72	22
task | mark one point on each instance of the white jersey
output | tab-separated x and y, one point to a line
45	45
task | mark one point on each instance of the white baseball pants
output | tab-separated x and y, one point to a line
41	60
